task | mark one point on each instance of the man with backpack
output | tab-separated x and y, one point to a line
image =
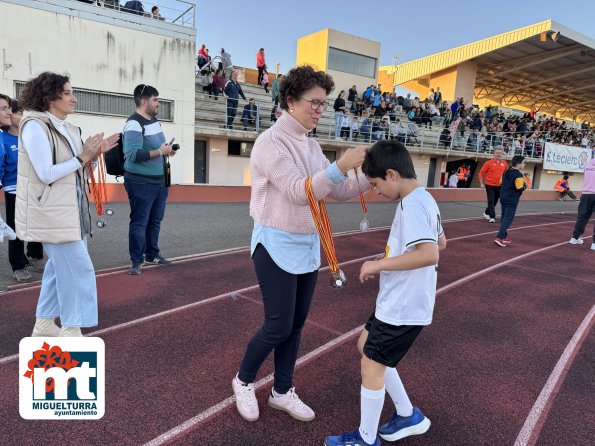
145	150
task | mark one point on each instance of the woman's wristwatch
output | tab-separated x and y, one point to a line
80	160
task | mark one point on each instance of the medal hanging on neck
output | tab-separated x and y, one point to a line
325	233
364	225
98	190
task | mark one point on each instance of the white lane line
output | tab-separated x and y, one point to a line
550	273
182	259
192	422
349	262
535	421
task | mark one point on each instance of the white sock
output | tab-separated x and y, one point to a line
396	390
371	409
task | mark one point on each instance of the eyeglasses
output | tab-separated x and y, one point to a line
316	104
5	108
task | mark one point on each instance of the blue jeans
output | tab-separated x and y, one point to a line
68	286
147	208
338	120
508	212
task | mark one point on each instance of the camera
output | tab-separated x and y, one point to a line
175	147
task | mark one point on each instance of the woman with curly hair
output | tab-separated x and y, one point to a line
285	247
52	206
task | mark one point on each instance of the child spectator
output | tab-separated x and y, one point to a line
453	180
405	302
354	128
265	81
345	125
513	185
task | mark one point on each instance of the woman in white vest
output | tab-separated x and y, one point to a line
52	206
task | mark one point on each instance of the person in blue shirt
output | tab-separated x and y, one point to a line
232	91
513	185
21	262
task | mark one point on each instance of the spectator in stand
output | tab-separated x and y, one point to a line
260	64
454	109
134	7
21	263
352	94
339	107
368	95
275	86
366	127
490	177
232	91
265	81
445	137
407	103
226	63
345	125
431	95
155	13
250	114
563	186
203	56
354	128
437	96
528	181
587	205
218	84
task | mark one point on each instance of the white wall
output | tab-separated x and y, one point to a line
103	57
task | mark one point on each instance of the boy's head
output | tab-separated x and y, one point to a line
517	160
387	166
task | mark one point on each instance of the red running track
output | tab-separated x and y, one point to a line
476	371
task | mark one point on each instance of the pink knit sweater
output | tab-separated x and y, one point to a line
282	158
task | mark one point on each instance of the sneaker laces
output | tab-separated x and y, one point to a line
247	394
295	398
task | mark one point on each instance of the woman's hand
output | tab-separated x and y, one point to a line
110	142
353	157
91	147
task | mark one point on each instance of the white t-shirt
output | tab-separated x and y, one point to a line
453	180
407	297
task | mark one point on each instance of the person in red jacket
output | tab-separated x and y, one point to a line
260	64
490	177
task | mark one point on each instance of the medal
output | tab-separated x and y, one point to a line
325	233
98	191
364	225
338	279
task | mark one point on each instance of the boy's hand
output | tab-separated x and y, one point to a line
368	270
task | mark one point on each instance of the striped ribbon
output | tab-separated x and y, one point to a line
97	188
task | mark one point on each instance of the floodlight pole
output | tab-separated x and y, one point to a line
395	60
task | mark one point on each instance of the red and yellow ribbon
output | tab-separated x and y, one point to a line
97	187
323	227
361	194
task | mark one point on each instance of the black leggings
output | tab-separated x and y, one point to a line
286	299
16	248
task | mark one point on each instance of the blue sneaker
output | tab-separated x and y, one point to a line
400	427
349	439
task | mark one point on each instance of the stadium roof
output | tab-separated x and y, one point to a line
546	64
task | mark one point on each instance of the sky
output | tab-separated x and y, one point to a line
407	29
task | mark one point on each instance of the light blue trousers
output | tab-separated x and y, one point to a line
338	120
68	286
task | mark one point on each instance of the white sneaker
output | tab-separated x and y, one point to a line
71	332
492	220
593	246
292	404
246	401
576	241
45	327
486	216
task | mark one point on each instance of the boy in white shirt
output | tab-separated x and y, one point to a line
405	302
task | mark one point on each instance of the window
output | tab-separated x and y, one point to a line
357	64
239	148
111	104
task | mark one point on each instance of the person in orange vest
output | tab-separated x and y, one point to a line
563	186
490	177
461	176
528	181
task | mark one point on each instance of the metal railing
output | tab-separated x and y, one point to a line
435	140
184	14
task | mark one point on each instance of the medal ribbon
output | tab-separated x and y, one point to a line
323	227
361	194
97	188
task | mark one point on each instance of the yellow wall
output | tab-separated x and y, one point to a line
312	50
